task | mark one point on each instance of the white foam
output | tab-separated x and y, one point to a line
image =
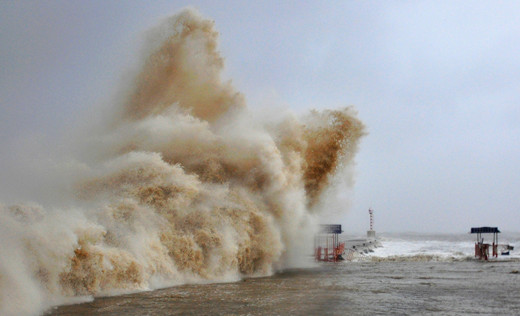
448	247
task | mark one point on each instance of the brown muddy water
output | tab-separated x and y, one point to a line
403	286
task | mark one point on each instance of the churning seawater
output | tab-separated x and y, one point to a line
409	275
174	181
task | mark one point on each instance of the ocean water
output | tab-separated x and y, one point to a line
172	181
411	274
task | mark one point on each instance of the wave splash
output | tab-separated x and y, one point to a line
183	185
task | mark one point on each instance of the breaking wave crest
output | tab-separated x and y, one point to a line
418	258
183	185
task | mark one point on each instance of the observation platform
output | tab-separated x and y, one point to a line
482	248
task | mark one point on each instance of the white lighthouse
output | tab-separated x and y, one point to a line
371	234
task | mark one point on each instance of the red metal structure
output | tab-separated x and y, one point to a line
326	244
482	249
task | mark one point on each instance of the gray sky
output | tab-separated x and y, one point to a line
436	82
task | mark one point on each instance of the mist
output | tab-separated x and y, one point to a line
173	181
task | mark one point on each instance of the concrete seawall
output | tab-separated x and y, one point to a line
359	246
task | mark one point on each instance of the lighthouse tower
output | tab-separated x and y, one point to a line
371	234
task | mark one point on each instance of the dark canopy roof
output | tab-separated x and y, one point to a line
331	229
483	230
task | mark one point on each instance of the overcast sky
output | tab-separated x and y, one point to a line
437	84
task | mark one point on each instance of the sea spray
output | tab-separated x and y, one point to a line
182	185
